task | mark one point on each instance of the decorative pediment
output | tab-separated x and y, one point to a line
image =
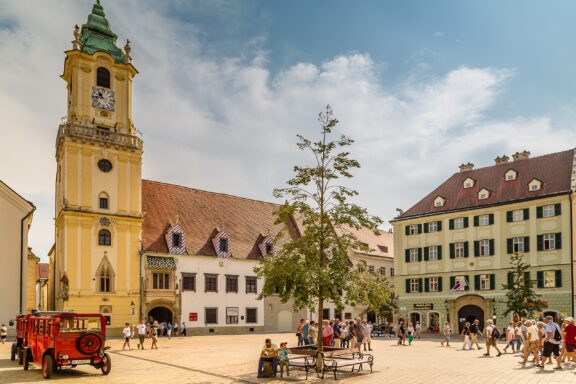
222	244
439	201
510	175
469	182
176	240
483	194
534	185
266	246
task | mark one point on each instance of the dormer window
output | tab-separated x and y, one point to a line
483	194
510	175
468	183
268	248
439	201
265	245
534	185
176	240
223	245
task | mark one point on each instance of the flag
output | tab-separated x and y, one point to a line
460	284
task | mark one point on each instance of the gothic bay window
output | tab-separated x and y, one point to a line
210	283
251	284
104	237
161	280
231	284
104	277
105	282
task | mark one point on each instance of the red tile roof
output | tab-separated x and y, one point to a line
377	243
43	269
553	170
201	214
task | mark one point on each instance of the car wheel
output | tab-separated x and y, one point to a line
13	352
47	366
89	343
106	364
25	358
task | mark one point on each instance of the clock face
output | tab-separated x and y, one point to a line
103	98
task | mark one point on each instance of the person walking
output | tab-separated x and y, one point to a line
531	343
154	335
446	334
175	329
518	336
305	329
570	339
367	341
474	332
417	330
183	331
344	336
327	333
401	332
337	329
359	332
510	337
127	333
141	329
313	333
3	333
299	333
552	342
410	331
169	330
466	337
492	336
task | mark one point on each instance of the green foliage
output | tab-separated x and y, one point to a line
521	300
313	266
373	291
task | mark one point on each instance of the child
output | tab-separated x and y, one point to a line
127	333
283	354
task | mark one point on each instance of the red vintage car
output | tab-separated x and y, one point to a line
65	339
18	346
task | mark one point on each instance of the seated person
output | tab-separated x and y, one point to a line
283	355
269	354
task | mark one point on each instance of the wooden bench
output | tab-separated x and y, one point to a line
341	358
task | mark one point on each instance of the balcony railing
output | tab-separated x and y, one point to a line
103	135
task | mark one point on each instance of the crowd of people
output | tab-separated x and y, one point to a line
152	330
334	333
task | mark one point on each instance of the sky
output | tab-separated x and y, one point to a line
225	86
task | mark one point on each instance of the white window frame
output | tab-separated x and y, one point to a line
433	284
535	186
414	285
413	255
371	268
413	229
433	226
391	271
382	271
518	244
459	223
518	215
433	253
459	252
484	247
548	210
550	279
483	194
485	282
549	241
483	220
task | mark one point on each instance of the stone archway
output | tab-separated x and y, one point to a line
470	313
161	314
483	304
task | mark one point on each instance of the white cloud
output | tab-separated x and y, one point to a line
227	124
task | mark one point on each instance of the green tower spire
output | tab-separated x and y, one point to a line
97	35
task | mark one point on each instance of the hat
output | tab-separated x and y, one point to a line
283	344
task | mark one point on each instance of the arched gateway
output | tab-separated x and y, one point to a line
161	314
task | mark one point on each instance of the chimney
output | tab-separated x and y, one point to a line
466	167
521	156
502	159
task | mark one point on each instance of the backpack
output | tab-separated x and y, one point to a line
495	333
557	335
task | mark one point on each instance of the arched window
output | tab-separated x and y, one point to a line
104	237
103	77
105	282
103	201
105	276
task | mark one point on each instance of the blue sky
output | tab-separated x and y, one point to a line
224	87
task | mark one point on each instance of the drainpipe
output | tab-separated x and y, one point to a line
571	253
22	255
141	252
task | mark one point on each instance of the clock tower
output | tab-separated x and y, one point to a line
98	219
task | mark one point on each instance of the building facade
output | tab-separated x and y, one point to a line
453	247
98	218
16	213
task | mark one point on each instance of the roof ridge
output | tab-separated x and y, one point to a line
211	192
509	163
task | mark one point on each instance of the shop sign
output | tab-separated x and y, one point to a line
193	316
424	306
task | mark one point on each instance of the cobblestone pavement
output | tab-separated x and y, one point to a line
233	359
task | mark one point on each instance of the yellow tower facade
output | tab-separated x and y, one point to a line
98	220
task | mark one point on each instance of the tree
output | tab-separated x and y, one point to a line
314	266
521	300
373	291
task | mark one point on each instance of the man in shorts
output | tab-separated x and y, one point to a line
491	338
531	343
141	329
552	341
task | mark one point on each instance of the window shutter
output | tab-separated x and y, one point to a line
540	242
540	279
452	251
426	225
509	216
558	240
452	281
558	278
510	280
407	285
526	213
439	252
407	230
467	283
466	253
451	224
527	244
527	278
510	246
477	282
539	212
419	254
558	209
476	248
420	285
427	285
465	222
407	255
491	247
476	221
419	228
426	253
491	219
439	224
440	284
492	281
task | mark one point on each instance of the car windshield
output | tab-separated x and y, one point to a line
80	324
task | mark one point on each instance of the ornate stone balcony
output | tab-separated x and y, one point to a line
97	134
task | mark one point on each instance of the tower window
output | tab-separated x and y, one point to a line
105	282
104	237
103	201
103	77
104	165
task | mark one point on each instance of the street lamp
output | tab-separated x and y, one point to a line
132	308
447	310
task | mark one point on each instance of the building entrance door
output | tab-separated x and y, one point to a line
161	315
469	313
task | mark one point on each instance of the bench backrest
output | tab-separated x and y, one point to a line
331	352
